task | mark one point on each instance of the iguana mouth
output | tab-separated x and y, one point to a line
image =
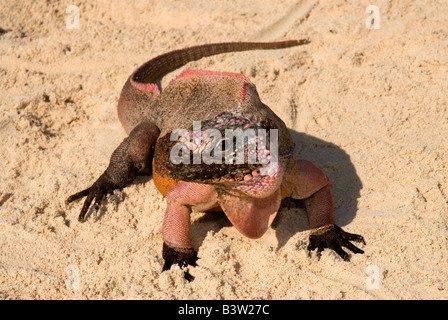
226	148
259	183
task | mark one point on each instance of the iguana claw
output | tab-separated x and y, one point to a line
335	238
181	257
97	191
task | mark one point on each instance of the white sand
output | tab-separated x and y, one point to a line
368	106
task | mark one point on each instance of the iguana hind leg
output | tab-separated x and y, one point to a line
307	182
132	157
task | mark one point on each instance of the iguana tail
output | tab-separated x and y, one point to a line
141	89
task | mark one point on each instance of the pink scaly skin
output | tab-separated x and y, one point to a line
249	193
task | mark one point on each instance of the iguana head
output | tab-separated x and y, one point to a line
229	148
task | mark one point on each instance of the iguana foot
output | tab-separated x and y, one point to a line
120	173
183	258
97	191
132	157
335	238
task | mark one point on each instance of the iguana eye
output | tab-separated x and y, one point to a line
224	145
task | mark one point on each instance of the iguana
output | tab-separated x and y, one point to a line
249	193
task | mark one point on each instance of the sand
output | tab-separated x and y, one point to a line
368	106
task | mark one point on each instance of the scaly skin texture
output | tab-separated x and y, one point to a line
250	192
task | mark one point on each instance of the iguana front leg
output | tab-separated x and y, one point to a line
176	231
305	181
132	157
